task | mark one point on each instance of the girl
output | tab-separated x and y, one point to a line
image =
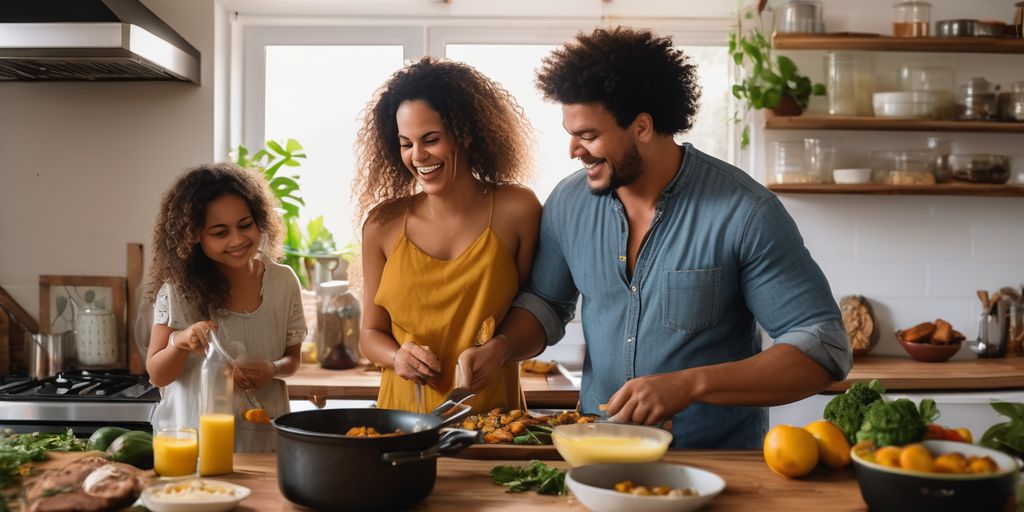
449	237
215	244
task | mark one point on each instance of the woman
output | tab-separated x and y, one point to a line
450	234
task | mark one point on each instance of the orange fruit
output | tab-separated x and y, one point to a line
833	448
916	457
889	456
790	451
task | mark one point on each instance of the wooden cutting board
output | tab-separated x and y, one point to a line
485	451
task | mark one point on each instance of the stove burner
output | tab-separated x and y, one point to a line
79	384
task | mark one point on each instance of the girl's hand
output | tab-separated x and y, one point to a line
253	372
193	339
417	363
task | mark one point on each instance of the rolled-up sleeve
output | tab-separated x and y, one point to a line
787	291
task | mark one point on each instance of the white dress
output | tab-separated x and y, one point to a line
276	324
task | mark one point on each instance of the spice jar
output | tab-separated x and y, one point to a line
217	411
977	100
337	324
911	19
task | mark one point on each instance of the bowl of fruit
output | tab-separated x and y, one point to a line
934	475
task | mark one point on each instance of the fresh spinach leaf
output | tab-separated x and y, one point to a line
535	476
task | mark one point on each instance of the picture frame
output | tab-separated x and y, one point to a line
60	298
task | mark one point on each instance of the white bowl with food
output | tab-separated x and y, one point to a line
194	495
688	488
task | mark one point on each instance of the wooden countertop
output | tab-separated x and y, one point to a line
466	485
555	391
542	391
905	374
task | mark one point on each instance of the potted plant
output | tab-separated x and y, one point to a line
765	82
301	247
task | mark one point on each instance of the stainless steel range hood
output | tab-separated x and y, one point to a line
90	40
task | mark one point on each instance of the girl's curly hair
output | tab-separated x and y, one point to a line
477	113
629	72
178	258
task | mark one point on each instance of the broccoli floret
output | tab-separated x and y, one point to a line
847	410
892	423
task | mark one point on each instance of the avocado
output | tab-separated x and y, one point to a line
102	437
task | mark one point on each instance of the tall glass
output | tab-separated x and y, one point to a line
176	451
850	83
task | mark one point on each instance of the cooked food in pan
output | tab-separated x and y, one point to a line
371	432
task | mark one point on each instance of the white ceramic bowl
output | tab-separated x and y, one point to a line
594	487
852	176
158	501
906	104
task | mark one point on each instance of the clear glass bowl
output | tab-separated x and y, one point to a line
903	167
980	168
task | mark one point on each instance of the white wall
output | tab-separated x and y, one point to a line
82	165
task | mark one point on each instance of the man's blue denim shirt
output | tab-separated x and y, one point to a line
722	255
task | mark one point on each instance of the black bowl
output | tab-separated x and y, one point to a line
886	488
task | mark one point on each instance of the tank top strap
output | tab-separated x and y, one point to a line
405	216
490	216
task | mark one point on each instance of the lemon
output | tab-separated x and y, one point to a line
790	451
833	448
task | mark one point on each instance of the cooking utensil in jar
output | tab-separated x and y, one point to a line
319	466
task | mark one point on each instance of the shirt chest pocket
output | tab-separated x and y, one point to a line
691	298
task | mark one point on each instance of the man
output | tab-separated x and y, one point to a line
676	255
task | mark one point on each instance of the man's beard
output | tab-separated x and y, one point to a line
623	173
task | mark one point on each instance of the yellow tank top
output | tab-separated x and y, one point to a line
442	304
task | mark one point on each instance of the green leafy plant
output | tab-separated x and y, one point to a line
1007	436
765	82
298	243
536	476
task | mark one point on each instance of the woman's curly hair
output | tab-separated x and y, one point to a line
178	258
477	113
629	72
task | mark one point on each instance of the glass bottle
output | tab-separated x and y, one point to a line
337	321
217	416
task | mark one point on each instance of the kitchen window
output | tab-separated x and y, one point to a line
311	84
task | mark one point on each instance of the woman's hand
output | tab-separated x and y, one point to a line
417	363
253	372
194	338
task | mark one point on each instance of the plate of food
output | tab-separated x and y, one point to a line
194	495
518	434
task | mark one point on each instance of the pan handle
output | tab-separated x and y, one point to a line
451	441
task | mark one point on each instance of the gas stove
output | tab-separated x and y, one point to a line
80	399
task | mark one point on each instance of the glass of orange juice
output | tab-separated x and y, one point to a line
176	451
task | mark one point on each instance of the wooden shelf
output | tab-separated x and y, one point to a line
773	122
952	189
876	42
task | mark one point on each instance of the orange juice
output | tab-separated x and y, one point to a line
175	452
216	444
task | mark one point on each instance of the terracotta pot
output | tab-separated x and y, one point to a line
787	107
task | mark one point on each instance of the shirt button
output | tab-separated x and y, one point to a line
633	288
629	339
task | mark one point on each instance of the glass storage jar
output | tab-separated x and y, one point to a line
1016	110
850	83
977	100
337	326
819	159
217	411
935	80
801	16
789	162
911	19
96	337
903	167
941	148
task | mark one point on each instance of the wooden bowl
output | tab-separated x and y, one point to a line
927	352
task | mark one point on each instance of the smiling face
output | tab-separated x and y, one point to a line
428	151
607	150
230	236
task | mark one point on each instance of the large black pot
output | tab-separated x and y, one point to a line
319	467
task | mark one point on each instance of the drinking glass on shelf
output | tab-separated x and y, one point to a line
176	451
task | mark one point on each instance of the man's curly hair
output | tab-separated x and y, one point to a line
178	258
629	72
477	113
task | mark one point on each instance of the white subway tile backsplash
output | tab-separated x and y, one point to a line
1000	241
903	241
877	278
962	279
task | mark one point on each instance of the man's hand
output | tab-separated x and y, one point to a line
650	400
417	363
479	366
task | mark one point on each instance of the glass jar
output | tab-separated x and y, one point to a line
941	148
790	166
819	159
903	167
801	16
96	337
850	83
936	80
911	19
337	321
1016	110
217	411
977	100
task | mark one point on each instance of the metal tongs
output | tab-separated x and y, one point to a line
257	413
